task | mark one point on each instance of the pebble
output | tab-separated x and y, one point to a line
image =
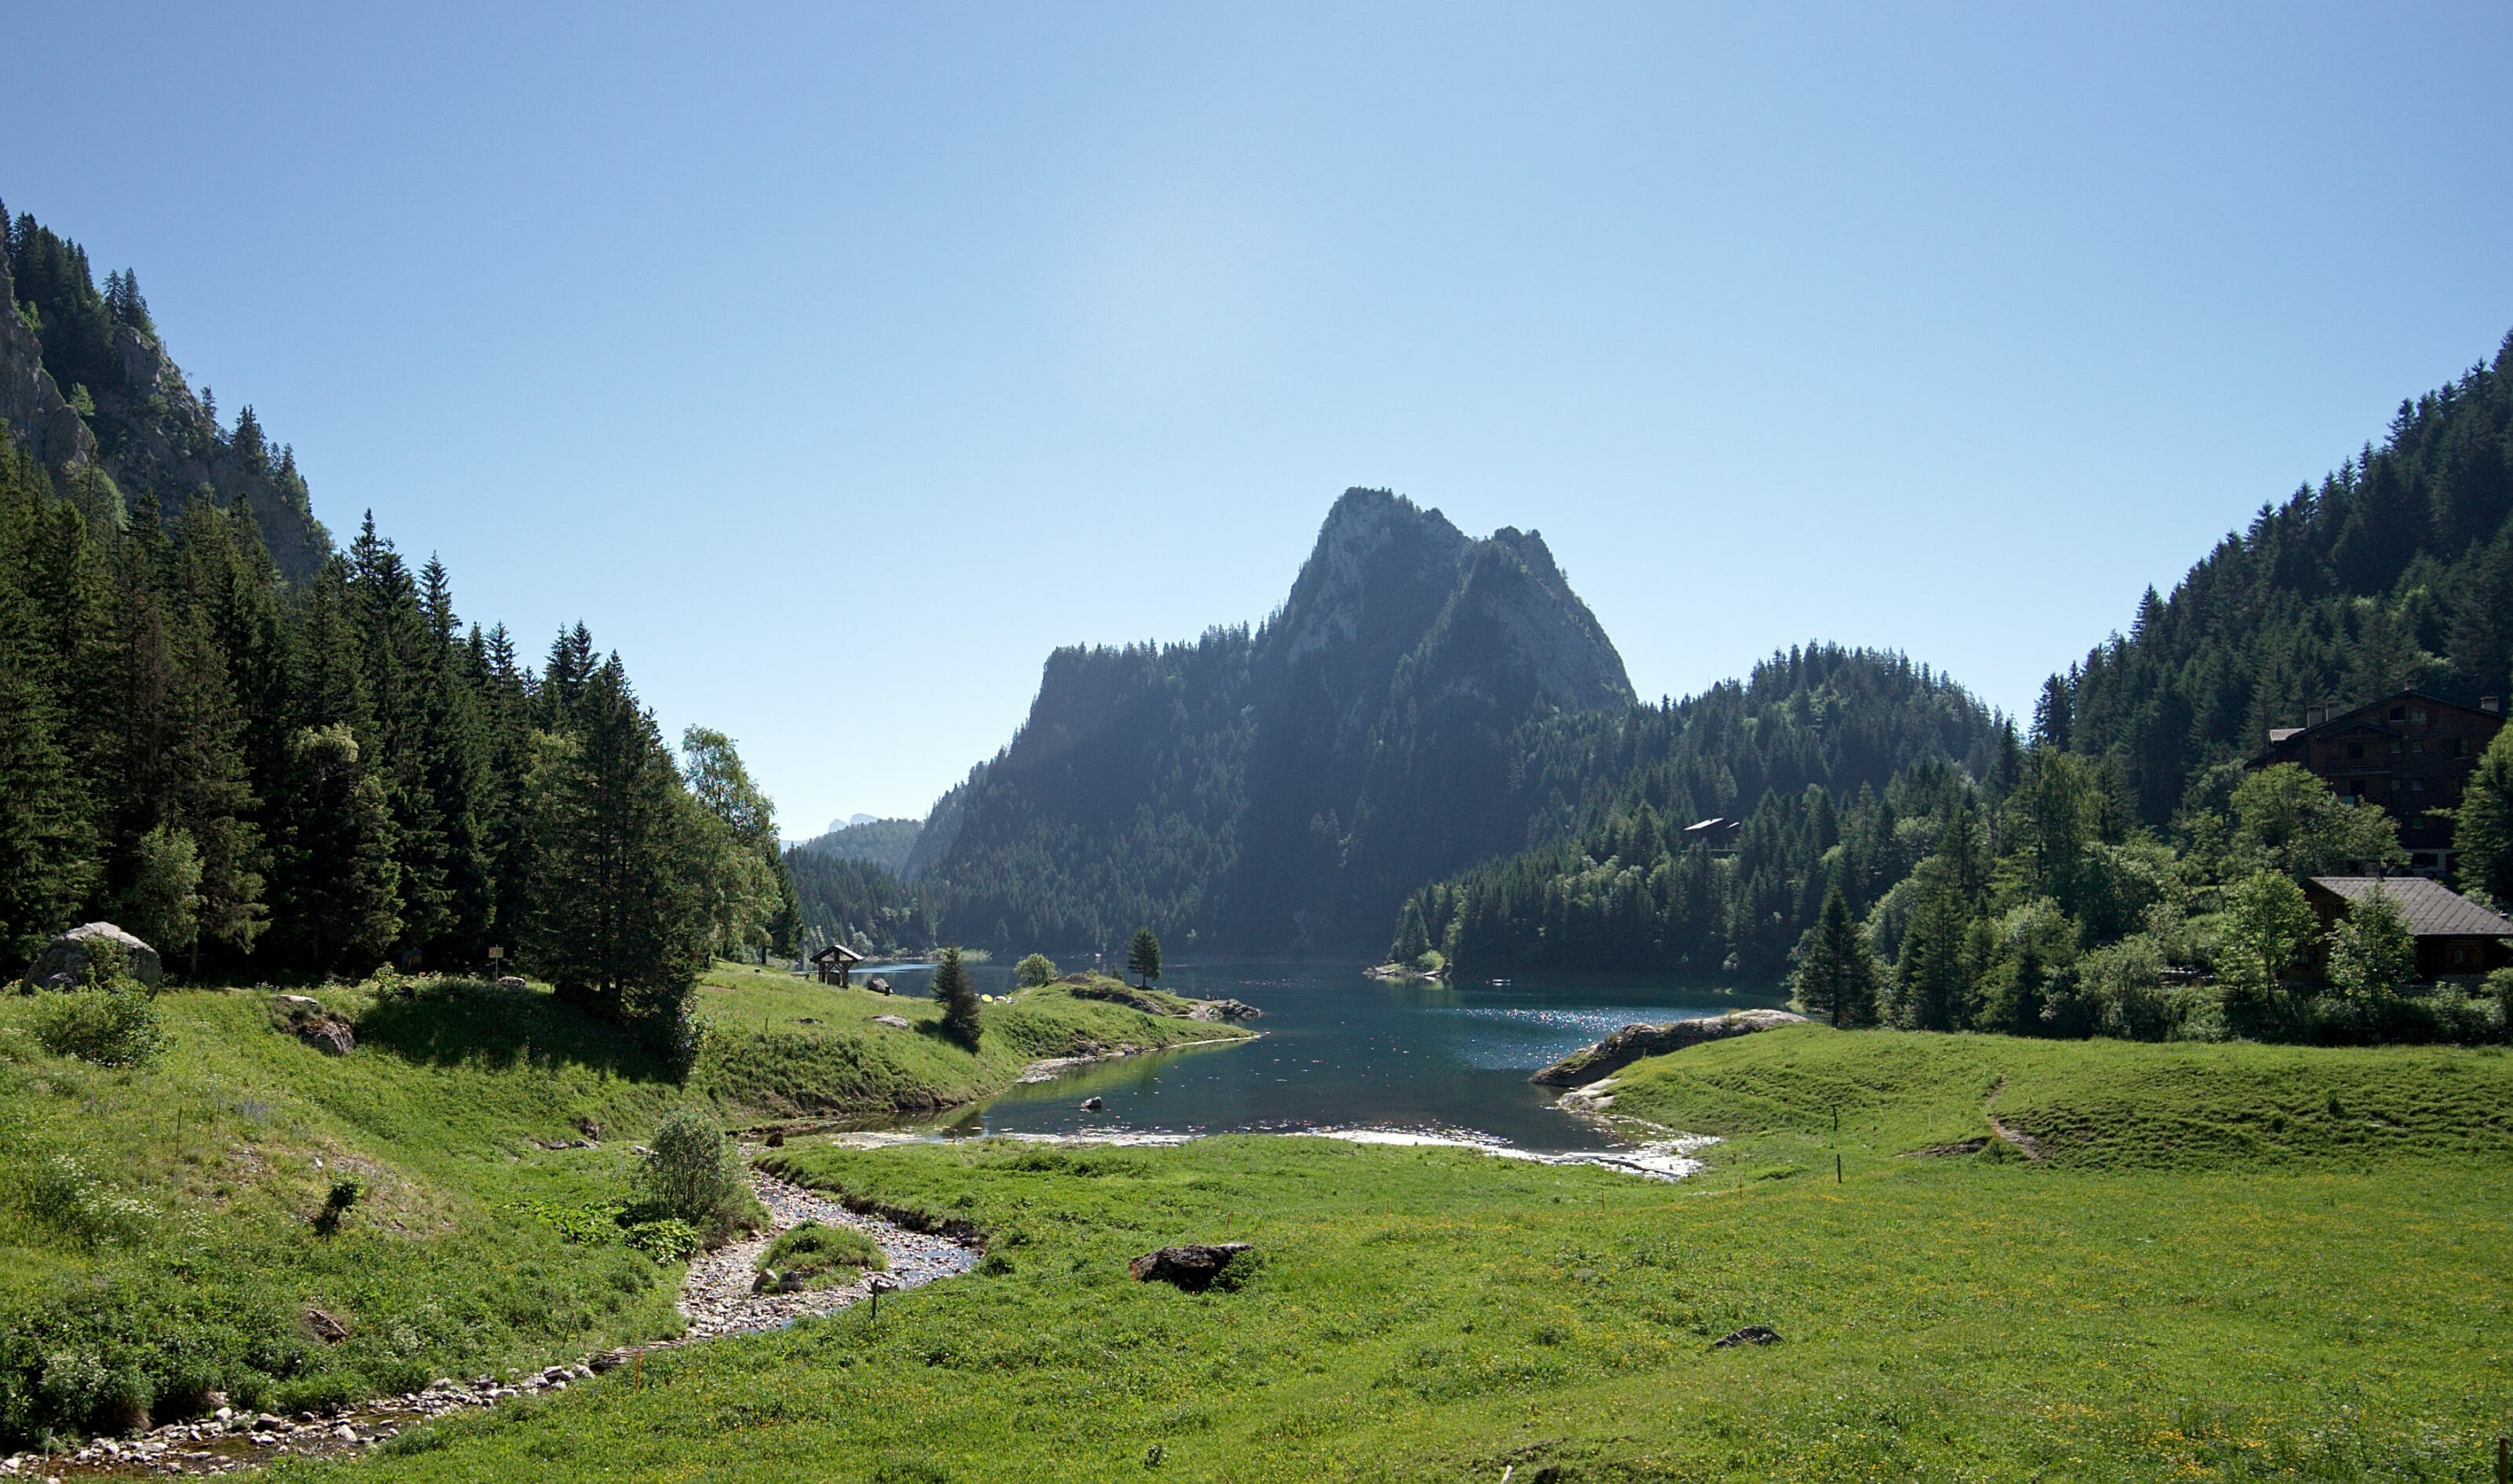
715	1298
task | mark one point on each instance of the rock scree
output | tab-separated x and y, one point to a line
1633	1042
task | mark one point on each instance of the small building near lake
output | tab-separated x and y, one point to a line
835	963
2454	935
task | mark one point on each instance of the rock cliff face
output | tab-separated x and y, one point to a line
1279	790
97	401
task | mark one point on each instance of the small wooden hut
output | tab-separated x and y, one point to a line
835	962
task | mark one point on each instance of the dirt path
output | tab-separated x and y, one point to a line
2031	1147
715	1298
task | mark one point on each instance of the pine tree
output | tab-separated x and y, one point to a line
48	866
1934	978
1837	972
614	921
342	878
1143	956
957	994
2483	834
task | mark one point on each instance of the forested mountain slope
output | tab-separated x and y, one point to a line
88	388
2397	569
1280	789
1821	748
885	843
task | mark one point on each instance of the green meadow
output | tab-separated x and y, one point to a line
158	1232
2232	1263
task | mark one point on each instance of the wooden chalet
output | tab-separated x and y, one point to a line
2454	935
2408	753
835	963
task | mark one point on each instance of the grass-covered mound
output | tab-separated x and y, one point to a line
2084	1105
163	1229
781	1044
816	1255
1435	1315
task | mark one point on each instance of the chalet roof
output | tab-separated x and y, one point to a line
2369	716
1712	824
836	951
2432	908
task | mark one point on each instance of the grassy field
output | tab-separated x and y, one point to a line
2185	1289
156	1233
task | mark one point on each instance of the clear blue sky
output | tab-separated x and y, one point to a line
836	364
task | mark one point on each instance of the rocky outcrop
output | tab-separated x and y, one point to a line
305	1018
1193	1268
64	962
1633	1042
31	400
138	428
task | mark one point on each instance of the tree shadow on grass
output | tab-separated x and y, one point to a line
471	1023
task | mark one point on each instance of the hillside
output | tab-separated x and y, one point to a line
1279	789
2396	570
885	843
1822	753
156	1232
89	390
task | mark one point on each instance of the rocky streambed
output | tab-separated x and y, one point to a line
716	1299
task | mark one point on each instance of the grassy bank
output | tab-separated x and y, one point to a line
157	1232
779	1045
2155	1300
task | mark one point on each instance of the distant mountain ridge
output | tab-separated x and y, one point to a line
88	388
1281	790
885	843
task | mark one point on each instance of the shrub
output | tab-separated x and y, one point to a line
690	1173
336	1204
1035	971
112	1026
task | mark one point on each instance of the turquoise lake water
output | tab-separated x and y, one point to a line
1343	1051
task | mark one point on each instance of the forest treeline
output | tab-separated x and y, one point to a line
861	902
260	776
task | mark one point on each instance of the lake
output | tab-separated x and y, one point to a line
1343	1051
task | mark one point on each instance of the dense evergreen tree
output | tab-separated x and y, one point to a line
957	994
1143	956
616	919
1836	971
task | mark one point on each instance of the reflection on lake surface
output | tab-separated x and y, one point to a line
1341	1050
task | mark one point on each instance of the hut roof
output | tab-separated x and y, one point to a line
2432	908
836	951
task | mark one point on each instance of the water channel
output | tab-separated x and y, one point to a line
1343	1051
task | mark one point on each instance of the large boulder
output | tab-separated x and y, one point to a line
63	961
1633	1042
1193	1268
